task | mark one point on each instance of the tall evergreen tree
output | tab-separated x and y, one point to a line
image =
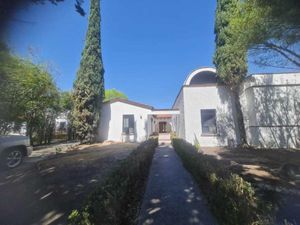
89	85
230	57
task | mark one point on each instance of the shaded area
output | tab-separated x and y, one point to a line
268	171
204	77
171	195
46	192
272	111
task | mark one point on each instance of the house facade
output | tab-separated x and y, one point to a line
204	111
127	121
271	109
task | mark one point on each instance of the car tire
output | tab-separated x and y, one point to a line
13	157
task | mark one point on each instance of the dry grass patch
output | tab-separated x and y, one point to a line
265	166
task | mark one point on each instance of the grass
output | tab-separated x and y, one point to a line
117	200
232	200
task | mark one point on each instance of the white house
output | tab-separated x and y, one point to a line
62	122
204	111
271	109
124	120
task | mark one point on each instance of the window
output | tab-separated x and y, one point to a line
208	121
128	124
62	126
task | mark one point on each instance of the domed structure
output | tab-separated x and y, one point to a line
202	76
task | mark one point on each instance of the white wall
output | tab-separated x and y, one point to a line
271	108
179	119
209	97
111	123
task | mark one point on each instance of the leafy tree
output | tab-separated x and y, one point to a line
65	101
89	85
9	112
270	29
113	94
27	94
230	56
66	106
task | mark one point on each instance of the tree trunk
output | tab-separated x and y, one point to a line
30	135
240	118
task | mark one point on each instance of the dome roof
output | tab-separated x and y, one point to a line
202	76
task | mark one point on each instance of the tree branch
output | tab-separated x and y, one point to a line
283	53
272	45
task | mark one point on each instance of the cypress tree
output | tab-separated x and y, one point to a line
89	84
230	56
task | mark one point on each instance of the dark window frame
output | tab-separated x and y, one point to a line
205	113
131	125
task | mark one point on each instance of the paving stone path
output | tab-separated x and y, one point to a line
172	197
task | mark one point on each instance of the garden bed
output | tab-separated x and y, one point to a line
232	200
117	199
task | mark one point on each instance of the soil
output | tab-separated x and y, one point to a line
267	169
44	190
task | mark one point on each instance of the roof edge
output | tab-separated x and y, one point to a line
126	101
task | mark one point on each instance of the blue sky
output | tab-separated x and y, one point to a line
148	47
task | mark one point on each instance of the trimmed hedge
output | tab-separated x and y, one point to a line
118	199
232	200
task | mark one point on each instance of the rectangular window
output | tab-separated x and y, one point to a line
208	121
128	124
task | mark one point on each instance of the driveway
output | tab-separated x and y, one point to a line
44	191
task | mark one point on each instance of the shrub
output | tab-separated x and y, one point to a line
232	200
117	200
197	144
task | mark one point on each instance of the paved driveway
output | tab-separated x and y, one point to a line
45	191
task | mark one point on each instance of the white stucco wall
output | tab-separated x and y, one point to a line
271	108
111	123
270	104
179	120
209	97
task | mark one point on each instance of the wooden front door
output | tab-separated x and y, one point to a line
162	127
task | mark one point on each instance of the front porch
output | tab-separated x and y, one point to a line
162	123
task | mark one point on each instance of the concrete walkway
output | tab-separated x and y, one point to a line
172	197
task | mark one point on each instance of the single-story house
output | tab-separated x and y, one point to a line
62	122
124	120
204	111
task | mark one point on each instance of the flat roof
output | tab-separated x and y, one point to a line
165	111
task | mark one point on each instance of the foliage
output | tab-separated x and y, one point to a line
113	94
89	85
9	66
197	143
230	56
65	101
66	106
269	29
28	94
117	200
232	199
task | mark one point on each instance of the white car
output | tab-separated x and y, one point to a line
13	148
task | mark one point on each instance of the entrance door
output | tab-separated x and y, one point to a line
162	126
